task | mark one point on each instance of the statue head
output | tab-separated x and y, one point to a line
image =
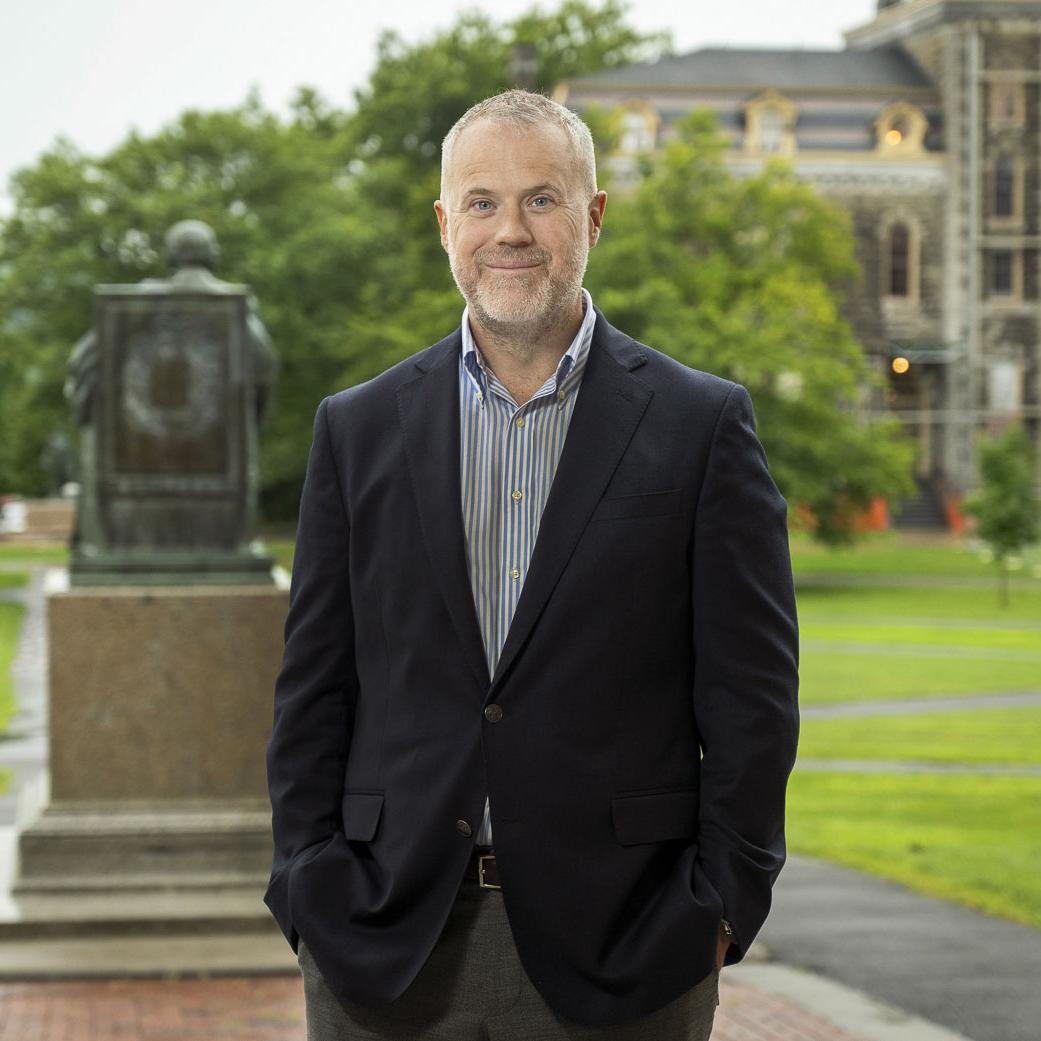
192	243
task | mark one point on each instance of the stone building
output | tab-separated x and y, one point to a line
927	128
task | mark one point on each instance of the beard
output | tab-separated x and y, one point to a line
519	309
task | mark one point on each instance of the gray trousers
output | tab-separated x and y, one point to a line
473	988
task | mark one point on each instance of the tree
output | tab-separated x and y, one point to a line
327	214
745	278
1006	507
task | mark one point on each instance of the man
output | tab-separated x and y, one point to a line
540	570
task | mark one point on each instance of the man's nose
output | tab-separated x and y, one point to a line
512	228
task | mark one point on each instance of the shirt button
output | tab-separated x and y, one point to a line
517	495
493	713
520	421
561	395
515	573
463	828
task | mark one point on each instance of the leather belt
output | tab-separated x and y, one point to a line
483	870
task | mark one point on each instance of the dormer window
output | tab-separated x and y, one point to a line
770	124
900	129
639	128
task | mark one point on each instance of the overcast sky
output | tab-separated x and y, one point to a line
93	69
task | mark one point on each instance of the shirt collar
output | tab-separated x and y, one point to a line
569	368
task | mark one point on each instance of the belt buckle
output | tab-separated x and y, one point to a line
480	871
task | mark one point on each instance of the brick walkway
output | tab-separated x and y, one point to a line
271	1009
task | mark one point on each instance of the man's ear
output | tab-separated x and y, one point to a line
442	221
596	216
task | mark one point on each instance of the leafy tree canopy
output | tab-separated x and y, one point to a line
327	214
1005	505
745	278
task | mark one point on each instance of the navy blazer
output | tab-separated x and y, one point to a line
648	688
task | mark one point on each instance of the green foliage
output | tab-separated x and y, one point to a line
744	278
327	214
1006	508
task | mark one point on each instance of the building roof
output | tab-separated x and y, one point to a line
761	67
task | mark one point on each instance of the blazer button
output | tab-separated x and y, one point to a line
463	828
493	713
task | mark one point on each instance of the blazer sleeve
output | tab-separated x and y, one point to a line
317	684
746	672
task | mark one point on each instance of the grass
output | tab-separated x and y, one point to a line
42	553
870	633
10	625
890	553
5	780
13	579
1009	736
876	643
867	605
839	675
973	840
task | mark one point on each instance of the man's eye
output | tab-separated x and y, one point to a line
541	201
482	204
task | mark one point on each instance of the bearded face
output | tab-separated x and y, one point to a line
517	227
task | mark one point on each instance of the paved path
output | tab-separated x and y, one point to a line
833	580
23	746
973	973
910	706
271	1009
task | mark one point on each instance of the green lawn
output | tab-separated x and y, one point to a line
13	579
10	624
888	553
841	675
873	643
973	840
987	735
44	553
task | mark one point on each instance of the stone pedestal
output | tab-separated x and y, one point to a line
158	821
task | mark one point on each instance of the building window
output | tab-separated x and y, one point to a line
637	127
901	129
637	136
1005	386
771	130
1007	102
1005	187
770	124
899	260
1001	273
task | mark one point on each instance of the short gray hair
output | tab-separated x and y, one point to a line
524	108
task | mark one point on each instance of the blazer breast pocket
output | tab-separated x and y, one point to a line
655	816
662	503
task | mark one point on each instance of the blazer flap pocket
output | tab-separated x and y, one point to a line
655	816
643	504
361	814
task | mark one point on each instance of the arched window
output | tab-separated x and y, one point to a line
637	133
771	129
899	260
1004	187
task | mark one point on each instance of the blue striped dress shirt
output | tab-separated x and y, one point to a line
508	458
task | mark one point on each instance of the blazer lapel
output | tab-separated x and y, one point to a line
429	410
608	410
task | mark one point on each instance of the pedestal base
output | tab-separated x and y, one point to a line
157	826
